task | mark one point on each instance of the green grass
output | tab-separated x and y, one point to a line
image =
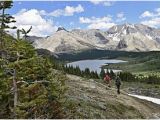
142	88
138	65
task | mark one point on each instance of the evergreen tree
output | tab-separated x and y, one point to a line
25	32
108	73
92	74
5	19
40	89
112	75
78	71
87	72
102	73
96	74
29	87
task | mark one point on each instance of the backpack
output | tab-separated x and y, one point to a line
107	78
118	81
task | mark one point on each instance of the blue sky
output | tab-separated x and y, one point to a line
45	17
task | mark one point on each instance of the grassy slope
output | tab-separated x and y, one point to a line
91	99
137	65
142	89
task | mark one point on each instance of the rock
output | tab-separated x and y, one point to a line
61	28
102	106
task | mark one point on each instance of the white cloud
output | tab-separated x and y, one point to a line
107	3
71	23
101	25
149	14
151	18
157	10
43	12
154	22
146	14
120	17
102	2
67	11
40	26
97	23
95	20
95	2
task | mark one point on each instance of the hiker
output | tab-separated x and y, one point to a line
118	84
107	80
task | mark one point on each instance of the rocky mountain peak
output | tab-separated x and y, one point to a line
61	28
127	37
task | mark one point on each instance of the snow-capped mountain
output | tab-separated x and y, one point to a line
127	37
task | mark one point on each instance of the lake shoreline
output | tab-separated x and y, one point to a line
95	64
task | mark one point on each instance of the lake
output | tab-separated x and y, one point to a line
94	65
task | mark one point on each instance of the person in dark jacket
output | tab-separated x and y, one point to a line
118	84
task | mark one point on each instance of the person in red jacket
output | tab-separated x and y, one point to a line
107	80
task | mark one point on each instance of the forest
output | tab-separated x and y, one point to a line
29	86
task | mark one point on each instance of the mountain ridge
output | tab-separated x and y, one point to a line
125	37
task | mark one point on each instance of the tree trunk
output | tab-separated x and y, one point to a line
15	92
2	25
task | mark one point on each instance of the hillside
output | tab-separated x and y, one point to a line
91	99
29	86
42	88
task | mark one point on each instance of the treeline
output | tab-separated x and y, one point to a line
108	54
129	77
87	73
111	74
125	76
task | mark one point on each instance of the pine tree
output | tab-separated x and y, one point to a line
96	74
29	87
102	73
112	75
5	19
108	73
25	32
87	72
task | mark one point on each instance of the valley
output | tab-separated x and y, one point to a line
103	69
140	64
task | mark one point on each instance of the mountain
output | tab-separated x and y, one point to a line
125	37
135	37
63	41
32	39
76	40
